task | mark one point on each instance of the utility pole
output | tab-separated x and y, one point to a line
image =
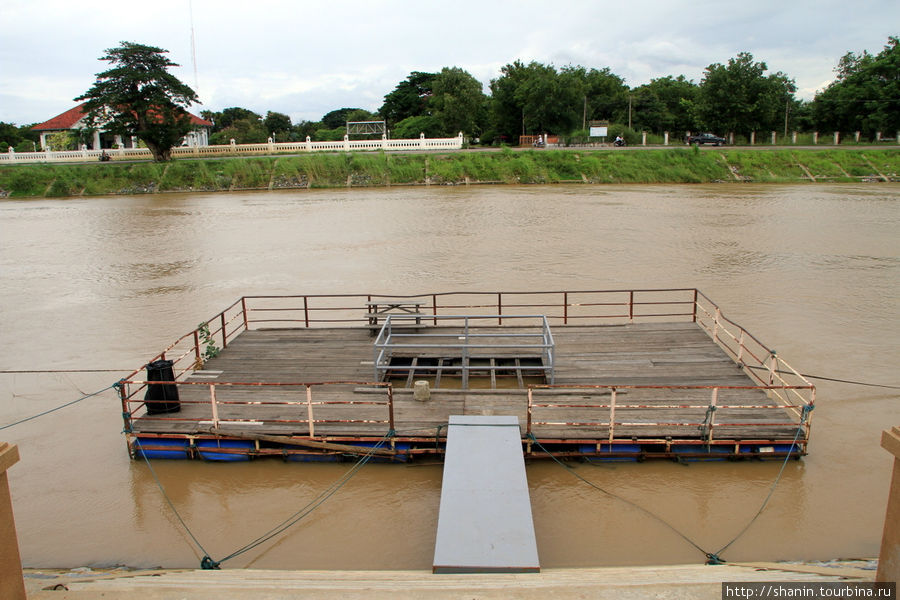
629	111
584	114
787	105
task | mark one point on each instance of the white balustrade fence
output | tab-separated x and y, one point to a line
347	145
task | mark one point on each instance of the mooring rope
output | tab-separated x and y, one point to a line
712	558
849	381
169	501
47	412
618	497
804	417
207	562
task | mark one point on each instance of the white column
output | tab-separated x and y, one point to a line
665	138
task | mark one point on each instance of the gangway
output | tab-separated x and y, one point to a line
485	523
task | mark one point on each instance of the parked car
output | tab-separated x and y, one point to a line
704	138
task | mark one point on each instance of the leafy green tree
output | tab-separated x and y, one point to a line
9	136
228	116
535	98
276	122
457	102
740	98
408	99
605	95
138	96
665	104
61	140
411	127
242	131
338	118
865	95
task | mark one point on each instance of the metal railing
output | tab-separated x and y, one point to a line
463	343
300	407
781	382
612	411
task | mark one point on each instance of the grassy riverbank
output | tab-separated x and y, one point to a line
372	169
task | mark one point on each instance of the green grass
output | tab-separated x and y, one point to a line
371	169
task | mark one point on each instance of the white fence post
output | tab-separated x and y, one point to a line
308	144
643	138
793	137
774	137
752	137
12	154
665	138
421	140
815	137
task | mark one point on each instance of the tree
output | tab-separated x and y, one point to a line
338	118
457	101
411	127
865	95
665	104
605	95
408	99
739	97
535	98
138	96
276	122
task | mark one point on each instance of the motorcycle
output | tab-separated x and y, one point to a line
619	142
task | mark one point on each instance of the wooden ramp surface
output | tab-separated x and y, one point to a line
485	523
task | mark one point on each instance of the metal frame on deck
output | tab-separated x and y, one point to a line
395	339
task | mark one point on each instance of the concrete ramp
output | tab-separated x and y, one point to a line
485	523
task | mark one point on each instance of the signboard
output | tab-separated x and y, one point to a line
599	128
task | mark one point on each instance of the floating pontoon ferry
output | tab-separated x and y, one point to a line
600	375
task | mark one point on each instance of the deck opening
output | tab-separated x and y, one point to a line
446	372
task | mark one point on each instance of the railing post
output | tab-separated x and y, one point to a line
197	348
612	415
309	411
694	320
710	421
631	306
434	307
772	365
215	407
499	308
224	332
306	311
565	308
528	412
390	392
716	325
244	313
126	412
740	356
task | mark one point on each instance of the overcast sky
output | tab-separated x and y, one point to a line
308	57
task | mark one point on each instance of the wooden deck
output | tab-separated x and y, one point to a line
660	356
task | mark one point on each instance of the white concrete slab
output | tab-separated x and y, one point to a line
485	523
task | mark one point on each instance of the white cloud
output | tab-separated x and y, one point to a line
307	58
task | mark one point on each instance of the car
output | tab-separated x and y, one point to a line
704	138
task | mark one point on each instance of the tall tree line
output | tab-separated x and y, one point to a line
739	97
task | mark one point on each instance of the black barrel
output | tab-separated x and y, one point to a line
161	398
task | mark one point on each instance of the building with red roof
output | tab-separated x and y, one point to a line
73	120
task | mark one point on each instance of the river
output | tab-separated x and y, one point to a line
104	283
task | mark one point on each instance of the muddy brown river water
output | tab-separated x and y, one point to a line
104	283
